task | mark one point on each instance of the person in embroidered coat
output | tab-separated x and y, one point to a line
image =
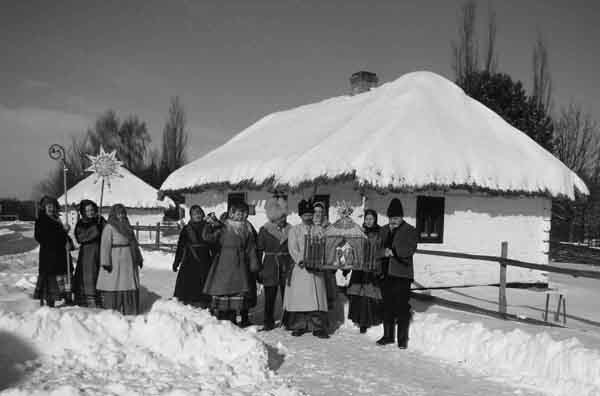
399	243
306	294
54	240
193	258
320	225
88	231
272	245
229	278
363	291
120	260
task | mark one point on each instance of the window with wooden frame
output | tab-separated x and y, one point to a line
430	219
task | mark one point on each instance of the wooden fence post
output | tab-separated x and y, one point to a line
502	291
157	235
137	230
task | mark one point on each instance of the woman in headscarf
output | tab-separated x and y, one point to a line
192	258
120	260
229	278
88	232
364	294
54	258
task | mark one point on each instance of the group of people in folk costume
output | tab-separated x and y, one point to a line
221	260
107	273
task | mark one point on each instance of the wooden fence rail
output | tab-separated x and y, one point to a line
504	261
157	229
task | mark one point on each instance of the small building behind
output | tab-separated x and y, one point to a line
468	180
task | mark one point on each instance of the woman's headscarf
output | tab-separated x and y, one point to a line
375	226
84	203
124	228
46	199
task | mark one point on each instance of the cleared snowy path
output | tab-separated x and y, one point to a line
349	364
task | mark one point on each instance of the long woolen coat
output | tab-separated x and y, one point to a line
403	242
87	234
276	259
194	257
236	255
115	251
306	291
53	240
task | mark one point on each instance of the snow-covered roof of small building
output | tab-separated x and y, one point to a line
419	131
129	190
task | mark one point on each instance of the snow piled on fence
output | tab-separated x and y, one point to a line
173	349
553	367
421	130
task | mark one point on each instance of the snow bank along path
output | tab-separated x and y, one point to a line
173	349
554	367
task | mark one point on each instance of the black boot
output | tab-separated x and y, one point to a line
245	319
388	334
363	329
403	326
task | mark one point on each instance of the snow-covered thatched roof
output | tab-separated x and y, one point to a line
419	131
129	190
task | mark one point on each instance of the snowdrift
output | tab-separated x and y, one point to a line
173	349
538	361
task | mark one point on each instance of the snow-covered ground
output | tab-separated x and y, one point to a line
173	349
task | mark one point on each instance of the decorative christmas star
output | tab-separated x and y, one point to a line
105	165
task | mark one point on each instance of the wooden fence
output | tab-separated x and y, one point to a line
504	261
156	230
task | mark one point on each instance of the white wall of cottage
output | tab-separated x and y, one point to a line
473	223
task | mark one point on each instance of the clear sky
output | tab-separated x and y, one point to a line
64	62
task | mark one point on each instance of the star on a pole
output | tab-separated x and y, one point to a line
104	165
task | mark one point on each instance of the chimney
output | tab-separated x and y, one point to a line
362	81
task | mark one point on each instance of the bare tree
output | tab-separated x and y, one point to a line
465	52
577	145
577	141
175	139
105	132
133	143
491	58
542	81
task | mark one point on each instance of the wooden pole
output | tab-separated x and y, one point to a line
137	230
502	291
101	197
67	247
157	235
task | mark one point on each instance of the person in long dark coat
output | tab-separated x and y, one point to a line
88	232
229	280
363	291
272	245
120	261
253	292
193	258
54	257
399	243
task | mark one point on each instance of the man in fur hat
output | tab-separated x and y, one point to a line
306	294
272	244
399	244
